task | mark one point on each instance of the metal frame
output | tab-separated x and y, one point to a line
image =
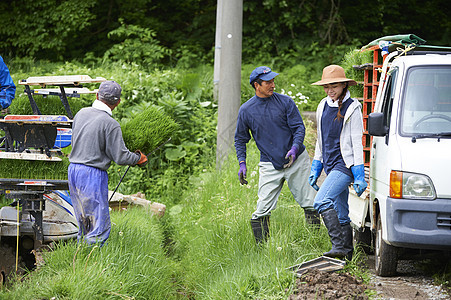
30	195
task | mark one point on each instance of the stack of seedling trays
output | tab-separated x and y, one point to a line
28	151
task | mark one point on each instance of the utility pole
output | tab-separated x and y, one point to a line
217	50
229	92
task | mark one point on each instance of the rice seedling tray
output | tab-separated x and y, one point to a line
322	263
17	184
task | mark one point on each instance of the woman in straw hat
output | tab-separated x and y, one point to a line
339	152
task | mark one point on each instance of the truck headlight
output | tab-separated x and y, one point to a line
411	186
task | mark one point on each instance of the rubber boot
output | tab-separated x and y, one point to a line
260	228
348	243
312	217
330	219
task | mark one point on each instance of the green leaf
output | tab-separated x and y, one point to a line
175	154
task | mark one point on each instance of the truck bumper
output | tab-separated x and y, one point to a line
419	224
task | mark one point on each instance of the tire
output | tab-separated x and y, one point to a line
385	256
363	239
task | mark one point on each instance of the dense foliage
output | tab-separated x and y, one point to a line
182	33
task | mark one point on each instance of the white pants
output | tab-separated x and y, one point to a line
271	182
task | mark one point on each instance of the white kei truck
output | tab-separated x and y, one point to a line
407	147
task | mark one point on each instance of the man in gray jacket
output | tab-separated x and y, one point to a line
96	141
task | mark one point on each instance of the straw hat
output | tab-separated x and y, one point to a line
332	74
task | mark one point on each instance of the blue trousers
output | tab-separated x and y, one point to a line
334	193
88	188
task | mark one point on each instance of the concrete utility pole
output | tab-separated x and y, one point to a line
217	50
229	92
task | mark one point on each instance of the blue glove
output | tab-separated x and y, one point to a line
242	172
359	179
291	156
315	171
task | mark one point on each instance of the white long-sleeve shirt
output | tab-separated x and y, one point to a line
351	145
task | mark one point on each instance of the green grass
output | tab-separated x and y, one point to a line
203	248
132	265
221	260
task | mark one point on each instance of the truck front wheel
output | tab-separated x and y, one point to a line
385	256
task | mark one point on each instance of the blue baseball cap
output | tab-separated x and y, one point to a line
263	73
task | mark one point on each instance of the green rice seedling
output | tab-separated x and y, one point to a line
34	169
350	60
50	105
148	129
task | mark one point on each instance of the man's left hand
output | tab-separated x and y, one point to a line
291	156
142	160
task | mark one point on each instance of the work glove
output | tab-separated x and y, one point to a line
359	179
242	173
315	171
142	160
291	156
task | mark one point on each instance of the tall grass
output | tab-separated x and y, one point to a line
202	249
221	259
131	265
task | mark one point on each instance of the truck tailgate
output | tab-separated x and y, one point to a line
358	207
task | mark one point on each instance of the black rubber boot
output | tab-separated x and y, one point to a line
312	217
330	219
260	228
348	244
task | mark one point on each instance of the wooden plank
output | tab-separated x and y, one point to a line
67	90
60	80
28	156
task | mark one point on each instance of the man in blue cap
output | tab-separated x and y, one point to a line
278	130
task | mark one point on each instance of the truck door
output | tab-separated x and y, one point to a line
379	162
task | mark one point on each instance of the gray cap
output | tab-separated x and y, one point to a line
109	90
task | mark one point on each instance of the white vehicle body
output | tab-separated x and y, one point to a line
408	204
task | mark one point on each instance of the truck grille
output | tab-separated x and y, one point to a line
444	221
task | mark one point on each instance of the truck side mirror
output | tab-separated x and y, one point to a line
376	125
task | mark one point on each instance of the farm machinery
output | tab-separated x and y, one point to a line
40	210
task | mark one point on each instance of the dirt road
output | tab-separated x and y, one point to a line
411	282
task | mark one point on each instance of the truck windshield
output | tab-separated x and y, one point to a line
427	102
